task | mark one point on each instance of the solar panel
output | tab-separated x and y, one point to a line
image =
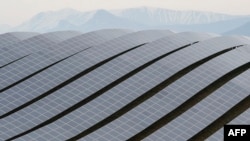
39	60
23	35
59	36
137	84
90	39
23	48
160	45
242	119
34	44
206	111
153	109
13	37
112	84
11	92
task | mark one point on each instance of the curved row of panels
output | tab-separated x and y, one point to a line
118	84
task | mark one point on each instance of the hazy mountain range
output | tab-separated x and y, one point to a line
135	18
4	28
241	30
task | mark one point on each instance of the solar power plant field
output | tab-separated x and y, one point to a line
116	84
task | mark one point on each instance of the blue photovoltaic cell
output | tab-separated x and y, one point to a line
134	87
24	48
31	45
23	35
209	109
152	50
36	61
51	56
80	52
8	39
153	109
60	36
13	37
242	119
91	39
106	98
72	95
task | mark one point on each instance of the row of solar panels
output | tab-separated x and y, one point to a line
118	85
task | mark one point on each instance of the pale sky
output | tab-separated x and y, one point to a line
14	12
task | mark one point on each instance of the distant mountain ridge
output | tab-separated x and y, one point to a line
133	18
242	30
160	16
4	28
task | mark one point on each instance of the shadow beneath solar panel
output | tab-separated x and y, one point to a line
194	100
147	95
13	61
77	76
67	82
100	92
132	104
31	75
228	115
224	119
